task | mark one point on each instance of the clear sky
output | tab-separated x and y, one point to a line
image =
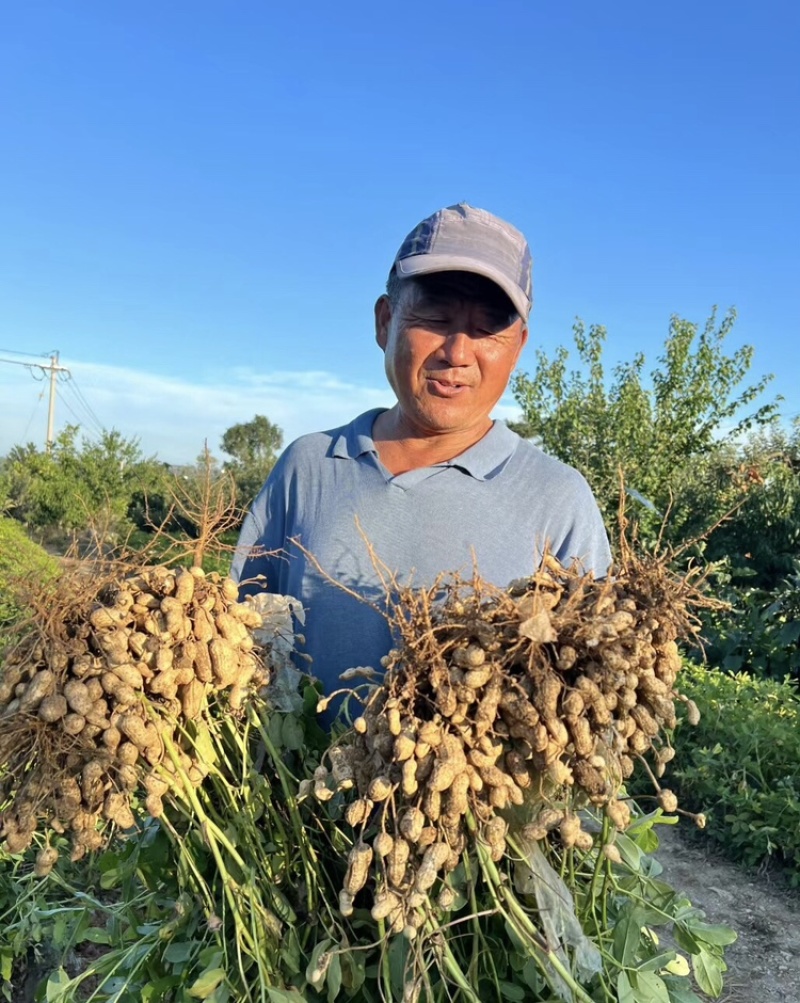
199	202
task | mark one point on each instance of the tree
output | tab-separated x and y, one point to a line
656	431
254	447
78	486
762	537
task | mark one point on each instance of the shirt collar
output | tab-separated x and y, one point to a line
481	461
356	439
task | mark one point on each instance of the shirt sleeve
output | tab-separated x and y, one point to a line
587	540
262	538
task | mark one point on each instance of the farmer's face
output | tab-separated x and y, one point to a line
450	345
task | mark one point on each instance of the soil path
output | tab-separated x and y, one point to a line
764	963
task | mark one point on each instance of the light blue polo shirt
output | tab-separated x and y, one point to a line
494	507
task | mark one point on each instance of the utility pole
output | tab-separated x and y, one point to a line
51	406
53	369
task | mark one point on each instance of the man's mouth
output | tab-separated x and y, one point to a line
445	388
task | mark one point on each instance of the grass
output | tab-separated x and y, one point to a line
20	558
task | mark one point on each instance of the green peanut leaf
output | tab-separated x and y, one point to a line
625	992
206	983
627	936
708	971
650	988
334	977
713	933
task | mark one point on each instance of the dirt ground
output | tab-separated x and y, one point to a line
764	963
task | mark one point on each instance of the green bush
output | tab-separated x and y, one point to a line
78	486
762	536
19	556
741	765
661	430
760	633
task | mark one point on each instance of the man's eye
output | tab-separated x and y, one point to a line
491	327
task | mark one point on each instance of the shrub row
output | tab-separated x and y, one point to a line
759	631
741	765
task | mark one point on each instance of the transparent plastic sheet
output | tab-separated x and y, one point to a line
277	636
534	876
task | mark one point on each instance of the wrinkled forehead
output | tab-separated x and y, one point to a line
443	288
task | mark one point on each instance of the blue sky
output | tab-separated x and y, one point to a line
199	202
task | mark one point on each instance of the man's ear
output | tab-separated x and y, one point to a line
383	317
522	342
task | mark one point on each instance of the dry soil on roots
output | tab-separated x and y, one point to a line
764	963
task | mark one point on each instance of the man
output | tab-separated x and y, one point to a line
432	484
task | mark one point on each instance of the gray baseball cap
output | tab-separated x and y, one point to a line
465	239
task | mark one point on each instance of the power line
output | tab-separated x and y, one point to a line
63	375
32	355
53	369
79	401
35	408
71	383
27	365
68	406
86	419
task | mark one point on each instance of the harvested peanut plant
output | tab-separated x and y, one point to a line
465	834
490	763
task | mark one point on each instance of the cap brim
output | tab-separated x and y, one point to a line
429	264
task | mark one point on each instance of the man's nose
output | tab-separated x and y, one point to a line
457	348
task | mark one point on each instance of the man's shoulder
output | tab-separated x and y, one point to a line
533	459
310	444
314	446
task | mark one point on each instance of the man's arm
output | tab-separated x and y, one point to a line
587	540
262	536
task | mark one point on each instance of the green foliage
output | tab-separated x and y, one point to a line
152	549
762	536
741	765
760	631
19	557
653	429
64	919
78	486
5	485
254	447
